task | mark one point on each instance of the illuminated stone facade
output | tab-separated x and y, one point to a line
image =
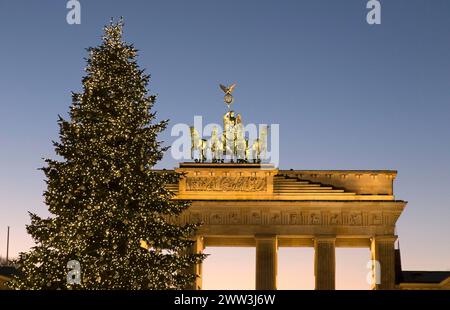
259	206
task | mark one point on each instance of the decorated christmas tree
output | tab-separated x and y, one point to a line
110	226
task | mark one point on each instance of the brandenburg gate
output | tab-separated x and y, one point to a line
243	202
243	205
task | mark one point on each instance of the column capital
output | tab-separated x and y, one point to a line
384	238
265	236
324	238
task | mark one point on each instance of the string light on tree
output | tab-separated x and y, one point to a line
109	208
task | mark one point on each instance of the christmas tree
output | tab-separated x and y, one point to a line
111	210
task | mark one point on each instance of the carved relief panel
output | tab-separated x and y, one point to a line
227	184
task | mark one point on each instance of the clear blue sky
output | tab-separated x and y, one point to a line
347	95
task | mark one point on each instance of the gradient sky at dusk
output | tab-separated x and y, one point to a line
347	95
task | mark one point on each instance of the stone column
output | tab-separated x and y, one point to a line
383	258
324	263
197	248
266	262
